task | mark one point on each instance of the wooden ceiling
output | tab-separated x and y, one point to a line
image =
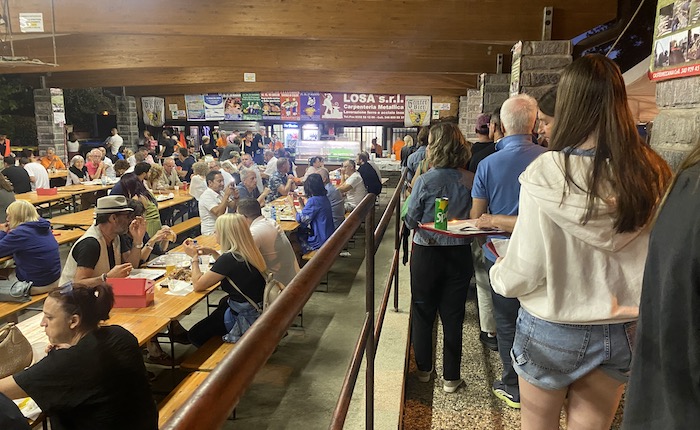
159	47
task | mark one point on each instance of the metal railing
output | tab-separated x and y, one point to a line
371	330
232	377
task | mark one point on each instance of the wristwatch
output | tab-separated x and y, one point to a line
149	246
104	277
139	246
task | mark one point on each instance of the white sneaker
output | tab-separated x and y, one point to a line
452	386
424	376
345	254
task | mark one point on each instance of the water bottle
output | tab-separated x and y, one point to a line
273	213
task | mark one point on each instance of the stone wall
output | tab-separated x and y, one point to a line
541	64
48	133
494	90
677	127
128	121
469	108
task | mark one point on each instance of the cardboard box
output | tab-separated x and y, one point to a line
132	293
46	191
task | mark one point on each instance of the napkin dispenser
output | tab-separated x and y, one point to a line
132	292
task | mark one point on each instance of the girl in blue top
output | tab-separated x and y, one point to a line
316	216
29	240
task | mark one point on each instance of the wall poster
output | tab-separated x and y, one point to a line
233	109
252	106
194	105
289	103
270	105
153	111
676	49
417	112
213	107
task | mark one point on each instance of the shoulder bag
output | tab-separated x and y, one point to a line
15	351
15	291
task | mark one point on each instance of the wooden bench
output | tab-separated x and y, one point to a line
179	396
186	226
208	356
307	257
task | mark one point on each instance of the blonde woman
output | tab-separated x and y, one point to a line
29	240
155	178
241	262
198	182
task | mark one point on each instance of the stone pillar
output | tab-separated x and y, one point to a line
469	109
677	126
48	133
128	121
494	90
541	64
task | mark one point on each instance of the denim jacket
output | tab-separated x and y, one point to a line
455	184
238	318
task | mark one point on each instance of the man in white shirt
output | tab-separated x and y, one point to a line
109	165
352	186
247	161
215	201
271	241
38	175
228	178
271	161
115	142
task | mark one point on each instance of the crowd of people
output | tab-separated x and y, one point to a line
596	286
578	194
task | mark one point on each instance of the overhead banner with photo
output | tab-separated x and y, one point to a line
417	112
289	103
362	107
213	107
310	106
233	109
676	51
270	105
252	107
195	107
153	111
58	106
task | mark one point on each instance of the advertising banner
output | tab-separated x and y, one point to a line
213	107
58	106
517	51
270	105
233	110
310	106
362	107
194	105
153	111
289	102
252	106
676	51
417	112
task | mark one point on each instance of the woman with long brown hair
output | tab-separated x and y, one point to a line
577	252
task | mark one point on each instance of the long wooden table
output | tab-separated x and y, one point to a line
84	219
8	309
67	193
57	174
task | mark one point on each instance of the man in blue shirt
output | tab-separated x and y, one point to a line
496	191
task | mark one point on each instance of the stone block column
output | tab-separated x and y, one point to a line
677	126
494	90
469	109
541	64
49	134
128	121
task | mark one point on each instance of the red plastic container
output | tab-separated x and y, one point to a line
132	293
46	191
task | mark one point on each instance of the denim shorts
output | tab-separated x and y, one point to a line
552	356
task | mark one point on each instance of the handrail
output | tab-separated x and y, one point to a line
231	378
369	338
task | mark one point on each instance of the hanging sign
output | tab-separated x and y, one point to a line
676	49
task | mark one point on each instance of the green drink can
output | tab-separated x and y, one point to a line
441	213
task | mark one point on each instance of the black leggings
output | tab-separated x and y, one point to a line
211	326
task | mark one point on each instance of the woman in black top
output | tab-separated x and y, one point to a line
77	172
93	377
241	262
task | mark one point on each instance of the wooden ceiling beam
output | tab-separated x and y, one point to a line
327	19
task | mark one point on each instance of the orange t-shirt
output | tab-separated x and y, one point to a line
397	148
57	165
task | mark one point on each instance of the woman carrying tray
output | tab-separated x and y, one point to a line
441	266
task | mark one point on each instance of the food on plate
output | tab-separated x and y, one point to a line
181	274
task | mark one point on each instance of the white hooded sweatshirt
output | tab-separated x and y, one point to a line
560	270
